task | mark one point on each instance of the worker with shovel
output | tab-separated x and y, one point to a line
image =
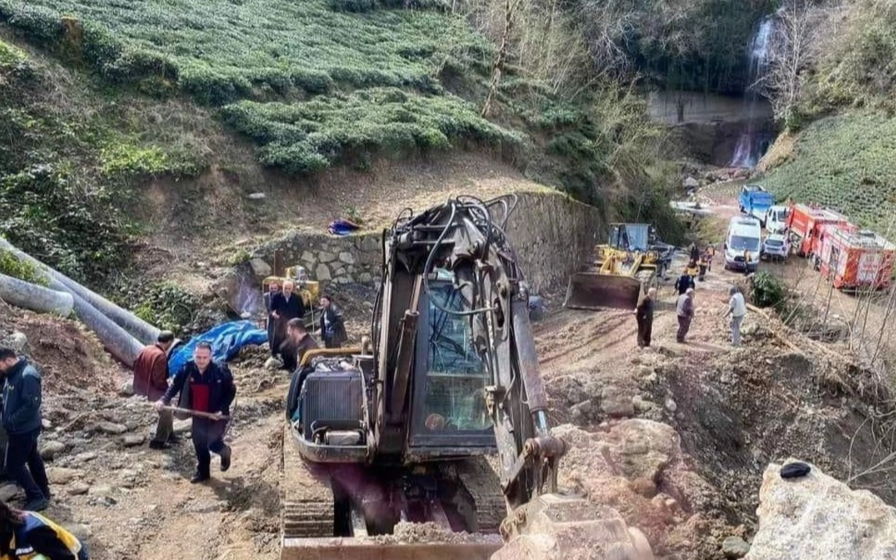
206	392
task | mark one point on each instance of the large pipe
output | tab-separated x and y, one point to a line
139	328
36	298
117	341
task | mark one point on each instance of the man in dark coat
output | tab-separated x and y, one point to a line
685	311
284	306
273	290
644	316
208	388
296	345
332	325
22	420
684	282
151	381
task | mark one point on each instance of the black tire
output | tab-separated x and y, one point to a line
292	396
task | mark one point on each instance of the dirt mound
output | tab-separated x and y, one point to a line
68	354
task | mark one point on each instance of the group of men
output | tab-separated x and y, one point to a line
685	285
205	388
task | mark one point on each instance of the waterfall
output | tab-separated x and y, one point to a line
751	145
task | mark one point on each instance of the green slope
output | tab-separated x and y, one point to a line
847	162
347	85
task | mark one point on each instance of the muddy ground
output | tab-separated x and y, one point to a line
675	436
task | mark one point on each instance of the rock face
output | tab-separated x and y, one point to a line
817	516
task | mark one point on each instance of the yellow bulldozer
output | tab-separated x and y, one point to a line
625	267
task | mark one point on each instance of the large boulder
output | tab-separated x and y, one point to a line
816	516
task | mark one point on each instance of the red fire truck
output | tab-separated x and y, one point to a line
857	259
807	225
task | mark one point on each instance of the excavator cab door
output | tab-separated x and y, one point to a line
448	409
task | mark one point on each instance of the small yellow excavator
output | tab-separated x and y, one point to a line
624	268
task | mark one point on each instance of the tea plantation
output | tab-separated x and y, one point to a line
846	162
346	75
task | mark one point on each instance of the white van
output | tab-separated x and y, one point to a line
743	244
776	219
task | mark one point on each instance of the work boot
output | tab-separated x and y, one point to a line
225	458
199	477
37	504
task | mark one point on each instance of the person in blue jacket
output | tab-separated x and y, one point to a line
25	535
22	422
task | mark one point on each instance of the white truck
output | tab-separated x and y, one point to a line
776	219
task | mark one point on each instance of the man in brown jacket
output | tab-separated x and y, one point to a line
151	381
297	344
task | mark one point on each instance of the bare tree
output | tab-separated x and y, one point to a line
794	49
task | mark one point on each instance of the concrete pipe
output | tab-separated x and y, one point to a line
36	298
139	328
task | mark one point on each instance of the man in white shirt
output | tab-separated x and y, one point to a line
737	308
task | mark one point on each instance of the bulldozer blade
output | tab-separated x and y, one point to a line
594	291
468	547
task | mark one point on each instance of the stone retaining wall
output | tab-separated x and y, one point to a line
552	234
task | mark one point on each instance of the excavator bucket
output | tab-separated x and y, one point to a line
594	291
381	548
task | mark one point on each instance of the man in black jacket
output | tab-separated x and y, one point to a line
284	306
22	421
332	325
644	317
296	345
205	387
273	291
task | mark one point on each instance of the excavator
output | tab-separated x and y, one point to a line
388	446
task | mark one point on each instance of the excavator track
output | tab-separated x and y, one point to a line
479	499
306	501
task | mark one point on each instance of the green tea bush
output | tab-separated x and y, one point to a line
220	52
308	137
167	306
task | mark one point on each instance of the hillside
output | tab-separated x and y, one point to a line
846	162
833	89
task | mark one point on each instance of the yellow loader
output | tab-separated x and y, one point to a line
629	264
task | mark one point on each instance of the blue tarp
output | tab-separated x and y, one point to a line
341	227
226	339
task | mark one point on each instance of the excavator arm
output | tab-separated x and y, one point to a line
467	237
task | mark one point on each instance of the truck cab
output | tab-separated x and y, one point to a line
755	201
776	219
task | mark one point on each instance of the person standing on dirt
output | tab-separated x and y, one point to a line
22	420
332	325
26	534
684	282
737	308
296	345
694	252
685	311
205	387
284	306
644	316
151	381
273	290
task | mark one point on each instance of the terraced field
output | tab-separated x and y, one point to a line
846	162
353	76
